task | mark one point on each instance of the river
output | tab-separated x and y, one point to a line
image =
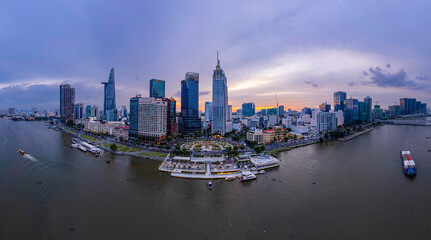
332	190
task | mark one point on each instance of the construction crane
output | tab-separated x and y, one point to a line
351	96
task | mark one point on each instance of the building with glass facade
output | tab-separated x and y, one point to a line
190	122
157	88
219	100
353	104
88	111
248	109
281	111
324	107
79	111
326	122
369	101
339	98
109	108
67	102
363	111
208	111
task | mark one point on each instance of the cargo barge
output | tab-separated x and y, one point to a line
409	166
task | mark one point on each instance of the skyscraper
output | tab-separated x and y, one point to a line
79	111
326	122
220	100
339	98
324	107
208	111
67	102
248	109
369	101
88	111
109	108
353	104
229	112
157	88
190	121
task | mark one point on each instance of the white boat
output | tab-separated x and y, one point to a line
262	172
82	148
230	178
74	145
247	176
210	185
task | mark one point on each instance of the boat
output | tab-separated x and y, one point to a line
82	148
262	172
230	178
210	185
247	176
74	145
22	152
409	166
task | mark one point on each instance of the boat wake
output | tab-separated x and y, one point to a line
30	157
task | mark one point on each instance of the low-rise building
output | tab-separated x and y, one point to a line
121	133
103	127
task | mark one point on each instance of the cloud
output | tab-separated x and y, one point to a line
421	78
351	83
312	84
203	93
382	78
365	73
388	65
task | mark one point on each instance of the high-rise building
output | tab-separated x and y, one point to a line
87	111
281	111
67	102
352	104
248	109
377	112
324	107
339	98
229	112
11	111
133	117
220	100
124	111
208	111
79	111
110	112
363	111
172	124
326	122
157	88
95	111
306	110
190	122
369	101
264	112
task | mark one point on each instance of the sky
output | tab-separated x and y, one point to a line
301	51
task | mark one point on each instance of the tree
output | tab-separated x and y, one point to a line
113	147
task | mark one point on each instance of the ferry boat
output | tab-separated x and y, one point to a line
247	176
210	185
82	148
22	152
409	166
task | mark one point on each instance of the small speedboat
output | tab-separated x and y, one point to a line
262	172
230	178
22	152
210	185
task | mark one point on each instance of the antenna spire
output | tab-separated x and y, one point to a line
218	61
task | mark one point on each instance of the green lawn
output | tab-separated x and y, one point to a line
89	138
123	148
132	149
153	154
68	130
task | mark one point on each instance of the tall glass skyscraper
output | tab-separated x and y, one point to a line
369	101
248	109
157	88
220	100
190	121
353	104
109	108
208	111
339	98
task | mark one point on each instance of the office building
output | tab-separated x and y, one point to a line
219	100
87	111
229	113
208	111
11	111
369	101
353	104
248	109
377	112
79	111
281	111
324	107
190	122
67	102
339	98
157	88
148	118
110	113
363	111
326	122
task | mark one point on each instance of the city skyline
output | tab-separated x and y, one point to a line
303	65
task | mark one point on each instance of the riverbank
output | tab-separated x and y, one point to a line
350	137
122	149
278	150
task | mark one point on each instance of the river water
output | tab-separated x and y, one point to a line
351	190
